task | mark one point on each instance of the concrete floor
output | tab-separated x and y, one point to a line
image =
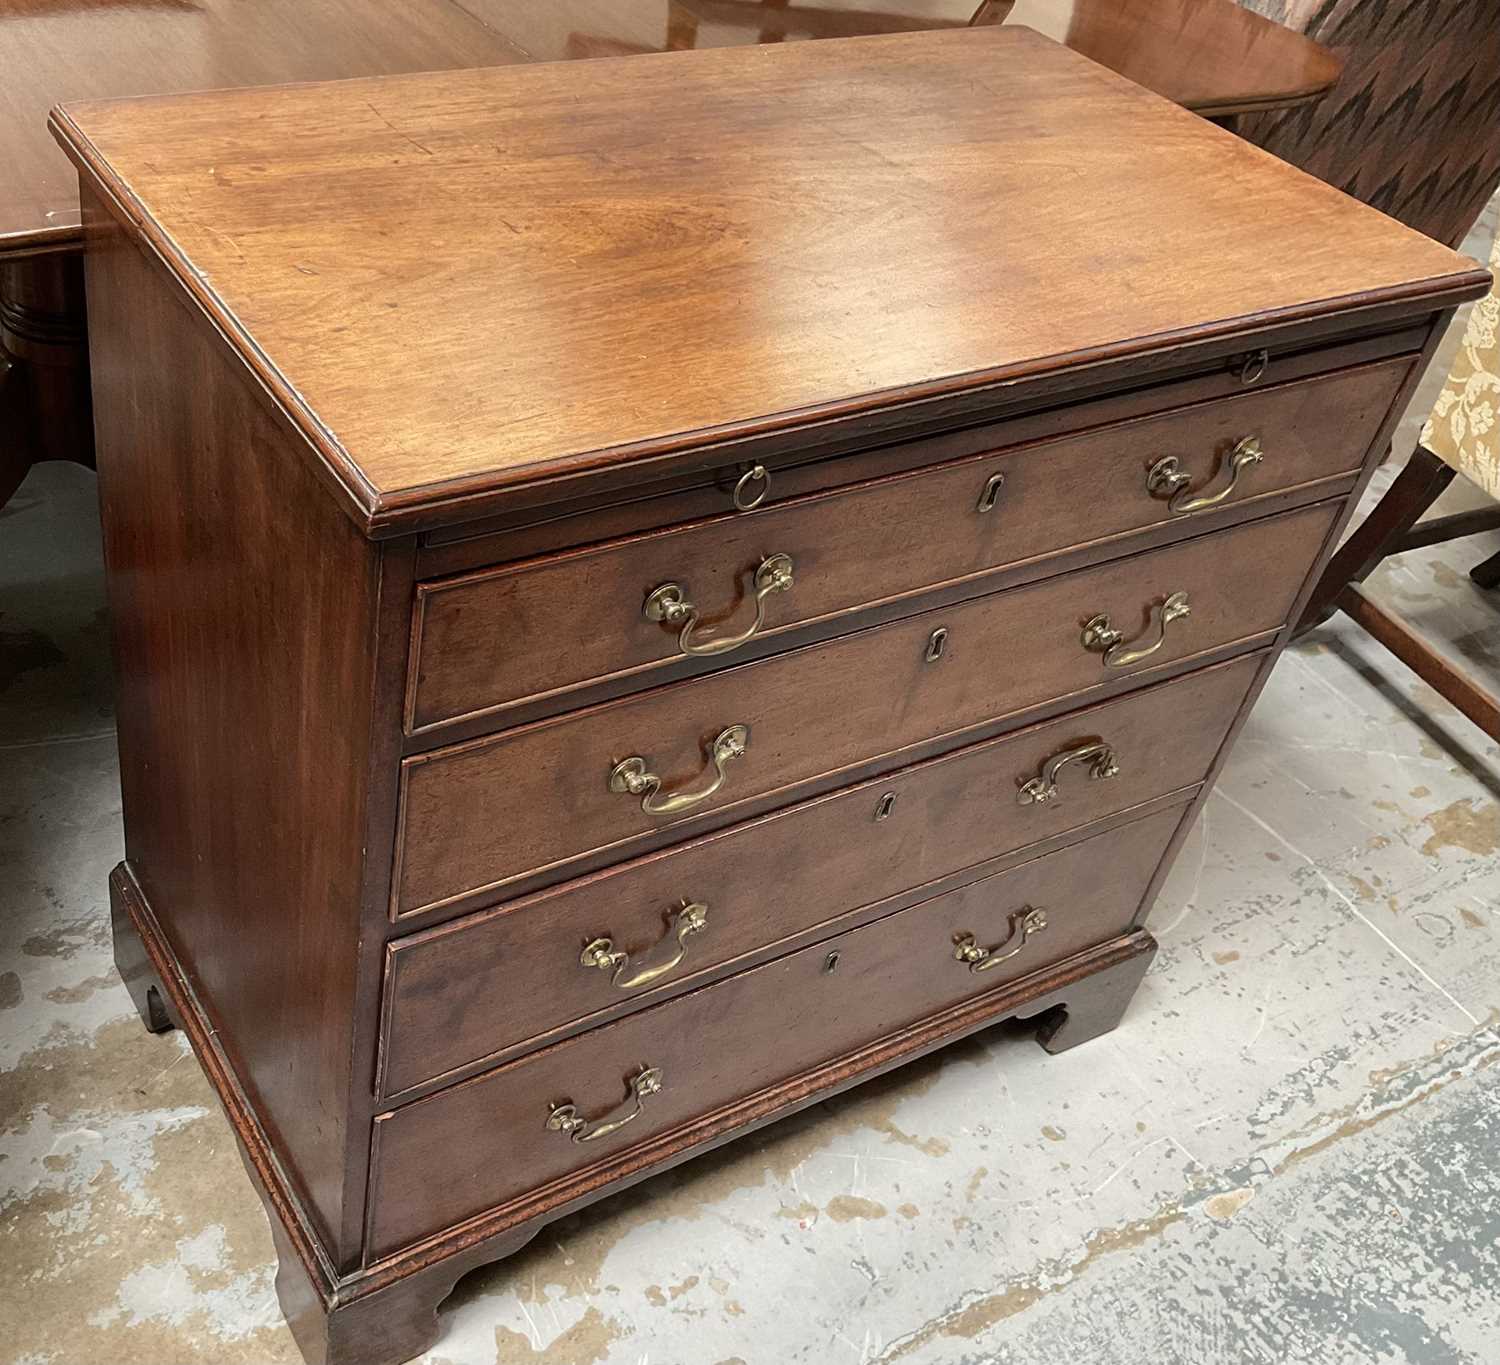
1285	1154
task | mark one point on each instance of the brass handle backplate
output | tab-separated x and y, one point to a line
1102	638
631	775
688	919
670	605
1165	479
1023	924
565	1118
1043	788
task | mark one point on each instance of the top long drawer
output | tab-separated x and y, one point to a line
489	640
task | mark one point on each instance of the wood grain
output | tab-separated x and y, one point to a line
477	985
52	51
480	219
479	815
252	859
485	1142
494	638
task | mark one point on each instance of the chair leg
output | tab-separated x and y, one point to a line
1487	574
1416	488
1454	686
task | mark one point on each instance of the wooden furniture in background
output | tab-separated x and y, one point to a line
87	49
1462	437
615	646
1207	54
1412	128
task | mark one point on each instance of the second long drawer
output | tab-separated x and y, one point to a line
483	814
474	987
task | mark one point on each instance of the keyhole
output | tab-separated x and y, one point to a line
885	806
936	643
831	964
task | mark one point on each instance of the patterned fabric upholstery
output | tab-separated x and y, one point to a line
1413	125
1464	429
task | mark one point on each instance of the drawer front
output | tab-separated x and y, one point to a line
485	1142
479	815
494	638
491	981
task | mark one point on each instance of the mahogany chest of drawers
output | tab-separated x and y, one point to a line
647	592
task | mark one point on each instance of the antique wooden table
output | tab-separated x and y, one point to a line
646	594
1209	55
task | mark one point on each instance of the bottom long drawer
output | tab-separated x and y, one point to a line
490	1140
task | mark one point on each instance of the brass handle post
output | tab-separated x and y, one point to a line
1101	637
1166	479
670	605
565	1118
1043	787
1023	924
632	776
689	919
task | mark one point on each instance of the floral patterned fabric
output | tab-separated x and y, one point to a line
1464	429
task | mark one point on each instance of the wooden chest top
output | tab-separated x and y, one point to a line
463	282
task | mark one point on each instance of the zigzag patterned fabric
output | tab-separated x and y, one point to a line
1413	126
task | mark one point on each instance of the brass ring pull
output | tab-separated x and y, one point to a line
1102	638
744	499
670	604
1043	788
631	775
1024	922
1166	480
565	1118
689	919
1249	368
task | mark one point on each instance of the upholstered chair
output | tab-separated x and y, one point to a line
1461	438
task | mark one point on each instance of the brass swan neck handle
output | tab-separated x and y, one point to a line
690	918
1023	924
670	605
1166	479
1043	787
632	776
565	1118
1101	637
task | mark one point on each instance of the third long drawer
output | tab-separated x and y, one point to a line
490	982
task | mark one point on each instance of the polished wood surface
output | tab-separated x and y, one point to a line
491	639
479	219
485	1142
53	51
481	815
222	817
450	991
389	1312
880	444
45	409
1209	55
265	636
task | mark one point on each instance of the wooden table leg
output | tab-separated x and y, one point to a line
45	409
